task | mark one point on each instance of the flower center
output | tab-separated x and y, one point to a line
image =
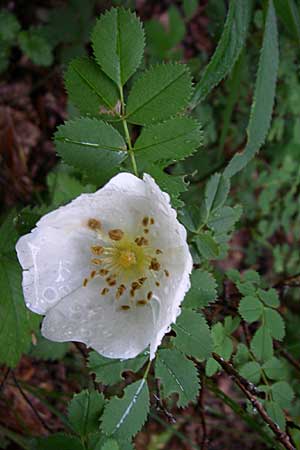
126	258
131	268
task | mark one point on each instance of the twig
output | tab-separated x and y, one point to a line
4	379
27	399
287	356
243	384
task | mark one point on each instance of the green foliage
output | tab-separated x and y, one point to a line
17	322
251	309
58	441
177	374
124	417
251	371
123	35
9	26
91	145
192	335
161	92
90	90
228	49
109	371
48	350
111	444
35	47
84	411
276	413
203	290
264	95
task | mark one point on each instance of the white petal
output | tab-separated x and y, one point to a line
57	261
85	316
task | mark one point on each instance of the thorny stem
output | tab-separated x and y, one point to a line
243	384
127	135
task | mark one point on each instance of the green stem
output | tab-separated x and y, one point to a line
127	135
147	369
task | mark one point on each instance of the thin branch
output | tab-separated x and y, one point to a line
243	384
287	356
4	378
27	399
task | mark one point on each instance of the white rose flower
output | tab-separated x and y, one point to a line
109	269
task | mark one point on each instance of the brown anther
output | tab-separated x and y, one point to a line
96	261
154	265
149	295
157	283
105	291
85	282
145	221
97	249
167	273
135	285
146	231
103	272
142	280
111	281
125	307
132	292
152	222
116	235
141	241
120	291
93	273
158	251
141	302
94	224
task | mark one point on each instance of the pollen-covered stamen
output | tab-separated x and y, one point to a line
141	302
85	282
111	281
103	272
158	251
149	295
141	241
94	224
145	221
125	307
97	250
167	273
96	261
105	291
116	234
154	264
120	291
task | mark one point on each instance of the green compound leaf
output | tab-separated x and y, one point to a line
203	290
262	344
264	95
274	369
275	323
251	371
90	145
276	413
216	192
58	441
9	27
174	139
161	92
173	184
193	335
124	417
118	43
85	410
177	375
282	393
270	297
229	48
36	47
251	309
17	322
109	371
90	90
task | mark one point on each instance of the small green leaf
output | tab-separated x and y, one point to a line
35	47
228	50
110	444
118	44
90	145
251	309
242	355
251	371
9	27
275	323
282	393
231	324
203	290
85	410
48	350
193	335
161	92
270	297
264	95
109	371
178	375
207	246
173	184
276	413
124	417
64	187
212	367
216	192
90	90
174	139
251	276
274	369
262	344
223	219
